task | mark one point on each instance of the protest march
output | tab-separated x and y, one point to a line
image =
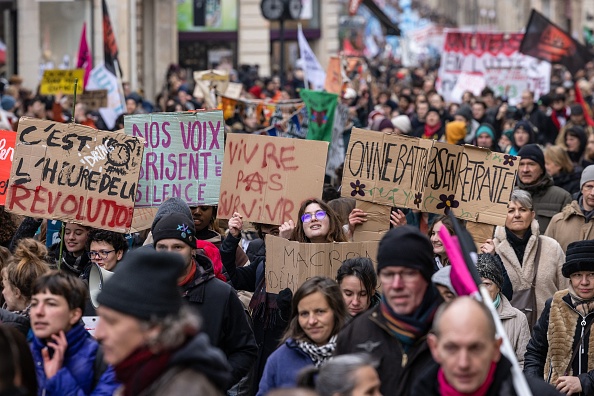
381	225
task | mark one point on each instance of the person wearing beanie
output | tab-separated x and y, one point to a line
442	282
485	137
455	131
150	336
547	199
560	349
402	124
523	135
513	320
385	125
394	332
574	222
225	321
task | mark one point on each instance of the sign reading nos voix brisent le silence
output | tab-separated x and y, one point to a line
74	173
183	156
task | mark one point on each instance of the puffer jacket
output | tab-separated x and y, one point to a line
547	199
570	225
77	375
516	327
549	278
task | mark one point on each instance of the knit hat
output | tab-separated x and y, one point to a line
587	175
144	285
442	277
172	205
486	128
487	267
579	257
177	226
7	103
465	111
534	153
402	122
385	123
406	247
576	109
508	133
455	131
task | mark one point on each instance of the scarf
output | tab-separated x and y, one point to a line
560	118
25	312
445	389
318	353
518	244
409	328
263	305
587	214
200	275
141	369
189	276
538	188
583	306
497	301
431	131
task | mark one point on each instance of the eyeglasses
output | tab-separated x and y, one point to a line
307	217
408	275
580	275
102	254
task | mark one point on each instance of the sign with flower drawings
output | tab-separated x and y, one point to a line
435	177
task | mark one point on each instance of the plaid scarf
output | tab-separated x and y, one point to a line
25	312
318	354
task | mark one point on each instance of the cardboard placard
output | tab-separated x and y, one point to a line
377	224
333	81
480	233
183	156
266	178
434	177
57	81
7	142
74	173
289	263
94	99
143	219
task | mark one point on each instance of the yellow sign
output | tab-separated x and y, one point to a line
62	81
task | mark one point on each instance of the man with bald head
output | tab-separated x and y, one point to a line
467	353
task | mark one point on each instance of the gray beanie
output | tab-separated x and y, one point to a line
587	175
402	122
442	277
172	205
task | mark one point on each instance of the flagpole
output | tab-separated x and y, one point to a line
120	82
305	81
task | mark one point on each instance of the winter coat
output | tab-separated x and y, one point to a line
196	369
283	366
428	385
77	375
516	327
548	279
368	333
19	322
547	199
554	338
570	226
570	182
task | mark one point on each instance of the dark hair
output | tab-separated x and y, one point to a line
115	239
63	284
446	221
343	207
362	268
330	193
335	233
331	291
28	264
16	361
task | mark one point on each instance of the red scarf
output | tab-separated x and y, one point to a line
564	113
189	276
431	131
141	369
446	389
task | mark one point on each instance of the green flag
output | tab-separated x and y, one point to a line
320	110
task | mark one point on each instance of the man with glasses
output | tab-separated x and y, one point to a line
559	350
395	331
573	223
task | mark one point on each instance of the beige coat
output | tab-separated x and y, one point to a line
516	327
548	279
570	226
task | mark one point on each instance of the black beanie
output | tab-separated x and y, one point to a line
487	267
579	257
534	153
406	247
144	285
176	226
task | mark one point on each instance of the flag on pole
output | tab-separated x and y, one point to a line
110	47
84	55
320	110
314	72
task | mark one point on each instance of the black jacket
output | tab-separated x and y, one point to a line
19	322
427	385
246	277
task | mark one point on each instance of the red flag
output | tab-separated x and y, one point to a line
580	99
84	55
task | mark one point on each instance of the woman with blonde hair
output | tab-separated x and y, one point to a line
561	169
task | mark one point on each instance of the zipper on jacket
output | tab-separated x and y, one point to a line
583	323
404	359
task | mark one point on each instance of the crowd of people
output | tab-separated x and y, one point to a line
186	309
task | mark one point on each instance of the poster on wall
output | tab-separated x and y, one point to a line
207	15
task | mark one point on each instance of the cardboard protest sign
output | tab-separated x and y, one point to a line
377	224
183	156
74	173
494	56
289	263
426	175
93	99
333	83
208	83
266	178
62	81
7	142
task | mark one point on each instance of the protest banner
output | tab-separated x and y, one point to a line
426	175
74	173
321	107
93	99
208	84
183	156
266	178
333	82
497	58
7	142
289	263
62	81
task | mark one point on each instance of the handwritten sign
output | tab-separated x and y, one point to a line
94	99
183	156
266	178
74	173
289	263
434	177
7	142
62	81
